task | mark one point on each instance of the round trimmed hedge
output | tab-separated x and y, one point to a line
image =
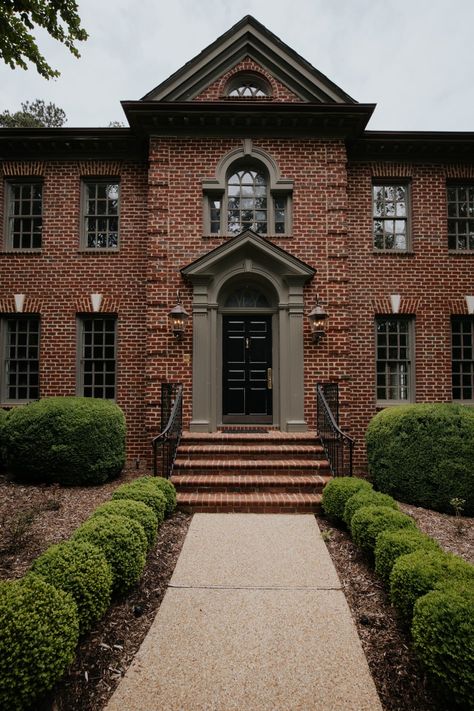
166	487
123	543
424	454
369	521
392	544
75	441
415	574
3	421
337	492
366	498
39	630
146	493
81	569
443	637
136	510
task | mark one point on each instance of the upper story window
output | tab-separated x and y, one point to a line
394	360
248	86
460	217
100	218
24	214
19	377
390	213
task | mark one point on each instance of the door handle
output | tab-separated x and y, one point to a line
269	378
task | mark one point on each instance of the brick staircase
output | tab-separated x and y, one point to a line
250	472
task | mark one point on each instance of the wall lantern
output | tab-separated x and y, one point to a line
317	317
178	316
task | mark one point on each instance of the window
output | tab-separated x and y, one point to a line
394	339
247	87
24	215
100	228
97	356
460	217
20	367
390	216
462	339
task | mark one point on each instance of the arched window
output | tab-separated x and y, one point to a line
247	86
247	296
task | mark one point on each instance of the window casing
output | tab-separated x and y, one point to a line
462	354
100	214
394	344
97	356
20	344
24	214
460	201
391	216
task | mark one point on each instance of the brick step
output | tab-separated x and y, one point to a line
251	451
250	466
249	502
267	438
249	483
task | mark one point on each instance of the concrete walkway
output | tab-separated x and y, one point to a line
254	620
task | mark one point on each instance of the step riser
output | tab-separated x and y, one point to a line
248	442
250	454
255	508
224	471
250	489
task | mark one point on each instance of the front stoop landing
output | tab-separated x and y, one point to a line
239	472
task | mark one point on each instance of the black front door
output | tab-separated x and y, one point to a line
247	369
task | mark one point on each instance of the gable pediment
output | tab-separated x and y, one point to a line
249	40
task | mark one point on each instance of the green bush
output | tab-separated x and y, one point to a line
145	492
369	521
338	491
3	421
136	510
39	630
366	498
443	637
123	543
424	454
166	487
415	574
392	544
71	440
80	569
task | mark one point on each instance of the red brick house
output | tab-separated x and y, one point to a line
248	188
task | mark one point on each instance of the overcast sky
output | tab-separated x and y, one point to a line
413	58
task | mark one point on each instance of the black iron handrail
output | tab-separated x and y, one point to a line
338	446
172	426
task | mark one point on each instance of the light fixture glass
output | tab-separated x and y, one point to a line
317	318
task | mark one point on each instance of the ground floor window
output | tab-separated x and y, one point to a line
19	380
394	360
462	344
97	356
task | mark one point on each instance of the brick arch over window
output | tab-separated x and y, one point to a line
247	192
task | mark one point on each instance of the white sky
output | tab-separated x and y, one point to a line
414	58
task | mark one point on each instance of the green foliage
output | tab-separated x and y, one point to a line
366	498
424	454
136	510
3	421
149	494
81	569
70	440
38	634
338	491
415	574
392	544
123	543
166	487
443	637
369	521
36	114
19	17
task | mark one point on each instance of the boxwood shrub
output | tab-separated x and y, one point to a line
39	630
123	543
369	521
415	574
166	487
392	544
136	510
81	569
70	440
338	491
366	498
424	454
145	492
443	637
3	420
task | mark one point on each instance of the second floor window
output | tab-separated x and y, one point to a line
390	216
24	215
460	217
100	228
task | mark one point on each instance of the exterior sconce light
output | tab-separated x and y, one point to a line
317	317
178	316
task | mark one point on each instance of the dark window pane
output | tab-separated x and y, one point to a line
98	363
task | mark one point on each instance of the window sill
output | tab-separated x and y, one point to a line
382	405
21	251
395	252
108	252
461	252
268	237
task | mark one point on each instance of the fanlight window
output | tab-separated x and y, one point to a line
248	88
246	297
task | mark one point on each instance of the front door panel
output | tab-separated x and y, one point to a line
247	362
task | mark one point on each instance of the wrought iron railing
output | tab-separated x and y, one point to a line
167	442
338	446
